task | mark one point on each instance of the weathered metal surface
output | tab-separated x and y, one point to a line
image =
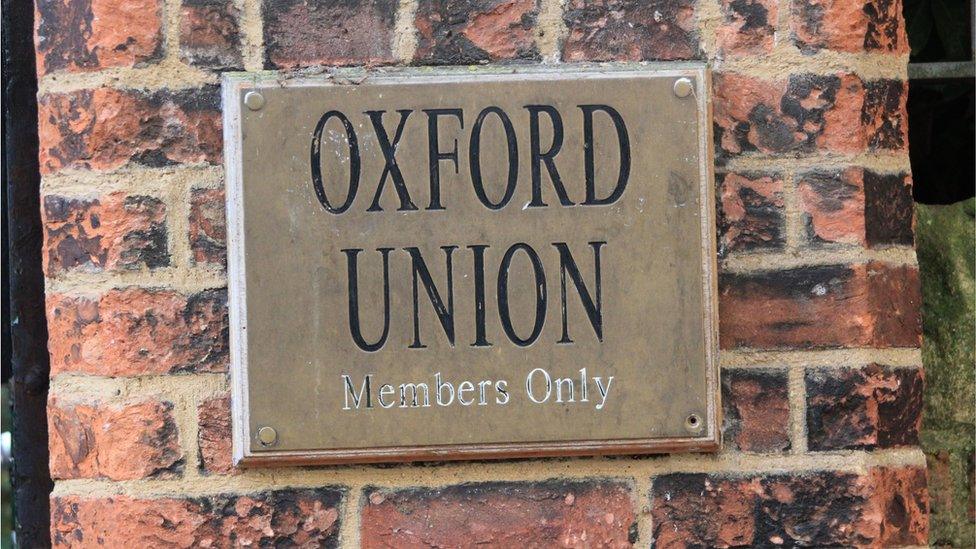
408	253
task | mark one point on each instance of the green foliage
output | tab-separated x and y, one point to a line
947	261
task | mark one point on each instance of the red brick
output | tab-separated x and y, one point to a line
901	498
106	128
895	293
807	113
747	27
113	232
630	30
299	33
870	305
801	114
832	203
138	331
848	26
750	212
214	435
747	116
857	206
563	514
858	408
459	32
284	518
210	34
88	35
119	442
822	509
208	227
755	410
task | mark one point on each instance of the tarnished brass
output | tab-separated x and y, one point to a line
461	264
267	436
254	100
683	87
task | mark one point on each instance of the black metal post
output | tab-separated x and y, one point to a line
25	346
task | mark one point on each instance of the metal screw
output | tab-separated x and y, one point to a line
267	436
693	423
254	100
683	87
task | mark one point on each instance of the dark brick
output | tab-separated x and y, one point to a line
106	128
820	509
889	209
630	30
210	34
756	410
849	26
871	305
89	35
208	227
283	518
750	212
699	510
568	514
300	33
110	233
747	27
459	32
863	408
126	441
138	331
885	26
884	114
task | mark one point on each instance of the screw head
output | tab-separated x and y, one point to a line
267	436
253	100
683	87
694	423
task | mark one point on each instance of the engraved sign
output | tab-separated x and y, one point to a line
471	264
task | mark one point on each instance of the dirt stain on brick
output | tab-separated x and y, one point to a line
299	33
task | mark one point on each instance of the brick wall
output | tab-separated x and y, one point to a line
819	292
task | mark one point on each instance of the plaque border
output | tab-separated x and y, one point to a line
235	84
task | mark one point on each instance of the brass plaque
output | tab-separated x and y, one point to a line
471	264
